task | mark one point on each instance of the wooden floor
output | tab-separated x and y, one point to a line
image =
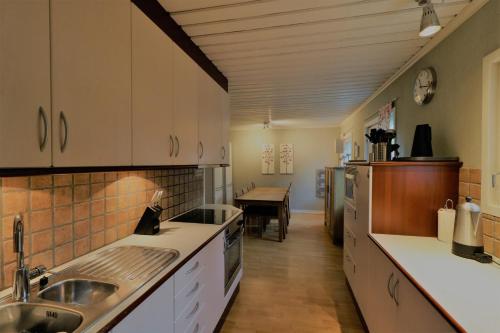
294	286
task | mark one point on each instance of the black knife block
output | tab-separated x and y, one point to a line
149	224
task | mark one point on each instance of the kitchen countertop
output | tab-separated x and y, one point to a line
465	291
187	238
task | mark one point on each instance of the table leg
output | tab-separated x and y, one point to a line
280	222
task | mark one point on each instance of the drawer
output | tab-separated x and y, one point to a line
349	267
349	215
350	240
190	292
196	326
192	314
188	272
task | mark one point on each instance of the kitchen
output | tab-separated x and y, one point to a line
162	165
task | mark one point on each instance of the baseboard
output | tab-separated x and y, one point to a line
305	211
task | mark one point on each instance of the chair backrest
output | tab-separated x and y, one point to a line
253	185
290	187
235	195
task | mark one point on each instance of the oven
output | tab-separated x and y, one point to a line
233	250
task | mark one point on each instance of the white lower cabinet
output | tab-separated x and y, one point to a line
192	301
154	315
393	303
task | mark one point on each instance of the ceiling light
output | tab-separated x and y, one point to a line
429	25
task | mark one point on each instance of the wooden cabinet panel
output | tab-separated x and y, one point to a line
210	120
155	314
25	119
91	82
406	196
152	93
185	108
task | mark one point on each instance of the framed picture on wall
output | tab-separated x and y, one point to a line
267	159
286	158
320	183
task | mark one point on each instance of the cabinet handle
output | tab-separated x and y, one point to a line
192	269
63	138
171	145
178	146
395	292
201	149
389	285
192	291
195	309
223	152
196	328
42	118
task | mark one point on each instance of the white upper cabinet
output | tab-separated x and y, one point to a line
25	124
226	124
185	99
91	82
210	120
152	94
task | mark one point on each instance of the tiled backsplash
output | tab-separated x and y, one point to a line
68	215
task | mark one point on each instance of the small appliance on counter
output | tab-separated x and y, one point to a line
382	146
446	222
149	223
468	233
422	141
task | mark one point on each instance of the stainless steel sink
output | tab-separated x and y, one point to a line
78	291
37	318
78	296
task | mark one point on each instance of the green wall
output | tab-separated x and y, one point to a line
455	112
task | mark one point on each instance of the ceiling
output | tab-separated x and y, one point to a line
304	63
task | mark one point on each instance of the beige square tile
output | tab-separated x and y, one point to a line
97	177
110	220
122	202
111	189
82	211
110	235
122	216
488	244
97	207
488	227
110	176
41	241
475	176
82	229
463	189
14	183
8	250
44	181
41	199
81	178
14	202
8	225
497	230
63	196
63	254
82	246
111	204
41	220
97	191
475	191
9	270
97	240
124	186
97	223
63	180
81	193
63	215
43	258
63	234
122	231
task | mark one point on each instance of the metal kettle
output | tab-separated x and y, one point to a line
468	232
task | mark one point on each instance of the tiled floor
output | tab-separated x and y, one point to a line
294	286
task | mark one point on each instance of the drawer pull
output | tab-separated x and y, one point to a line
192	269
195	309
389	285
196	328
395	292
192	291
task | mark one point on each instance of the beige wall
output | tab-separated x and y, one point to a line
455	111
313	149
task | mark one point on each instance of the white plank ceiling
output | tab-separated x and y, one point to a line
304	63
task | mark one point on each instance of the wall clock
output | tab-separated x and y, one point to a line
425	86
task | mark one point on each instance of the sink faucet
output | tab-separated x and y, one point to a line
21	283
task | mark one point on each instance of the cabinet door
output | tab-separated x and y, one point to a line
226	125
185	109
25	124
91	82
214	257
155	314
210	120
414	313
152	95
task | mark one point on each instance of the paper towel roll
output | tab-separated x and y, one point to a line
446	224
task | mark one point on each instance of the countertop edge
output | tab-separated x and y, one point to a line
144	294
446	315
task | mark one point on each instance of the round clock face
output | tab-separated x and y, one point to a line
425	86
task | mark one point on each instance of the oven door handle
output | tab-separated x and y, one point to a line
232	241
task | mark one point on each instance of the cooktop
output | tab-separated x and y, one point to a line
205	216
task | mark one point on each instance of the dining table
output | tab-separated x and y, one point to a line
267	196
